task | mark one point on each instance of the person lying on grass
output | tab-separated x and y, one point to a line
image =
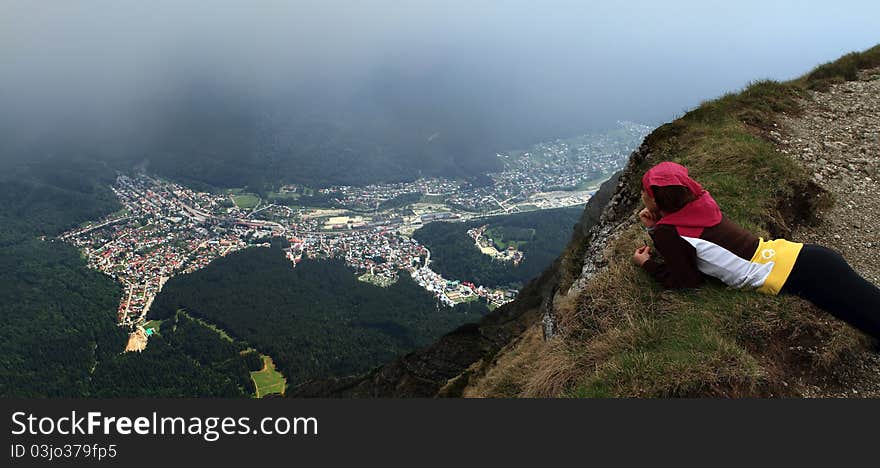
695	238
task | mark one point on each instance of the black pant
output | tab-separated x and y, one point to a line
821	276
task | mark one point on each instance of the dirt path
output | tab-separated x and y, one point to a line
838	139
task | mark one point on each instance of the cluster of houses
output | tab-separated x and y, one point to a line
383	254
164	229
487	246
451	292
374	195
167	229
555	165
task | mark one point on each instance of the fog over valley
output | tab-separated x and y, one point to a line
392	87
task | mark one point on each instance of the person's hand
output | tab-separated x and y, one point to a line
647	217
642	255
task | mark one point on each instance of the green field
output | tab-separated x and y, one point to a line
504	237
433	198
154	324
284	195
268	380
246	201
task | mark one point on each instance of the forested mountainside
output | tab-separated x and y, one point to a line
315	320
60	333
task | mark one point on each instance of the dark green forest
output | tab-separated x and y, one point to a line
60	337
59	318
185	359
454	255
315	320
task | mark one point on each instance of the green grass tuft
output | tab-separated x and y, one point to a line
845	68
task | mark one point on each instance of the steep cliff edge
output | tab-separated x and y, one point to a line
616	333
595	325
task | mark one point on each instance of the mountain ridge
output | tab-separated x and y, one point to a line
594	325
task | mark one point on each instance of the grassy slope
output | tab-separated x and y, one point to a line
624	336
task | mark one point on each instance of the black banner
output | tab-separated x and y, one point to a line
290	432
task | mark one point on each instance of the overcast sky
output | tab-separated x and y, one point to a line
541	67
